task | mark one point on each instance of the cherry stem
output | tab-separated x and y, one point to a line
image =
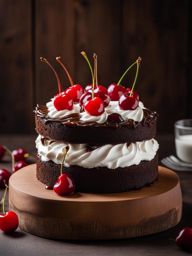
12	157
58	59
3	199
138	61
63	161
95	68
44	60
126	71
90	67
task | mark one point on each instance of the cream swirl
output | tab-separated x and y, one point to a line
59	114
86	117
113	107
110	156
136	114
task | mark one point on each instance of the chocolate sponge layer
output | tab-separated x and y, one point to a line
101	179
95	135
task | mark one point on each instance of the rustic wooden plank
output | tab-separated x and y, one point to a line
158	31
54	36
16	74
98	29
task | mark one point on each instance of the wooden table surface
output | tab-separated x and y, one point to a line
21	243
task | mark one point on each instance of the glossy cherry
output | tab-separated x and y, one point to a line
104	96
114	118
184	239
4	178
2	152
128	102
64	185
95	106
75	92
115	91
98	88
134	93
18	165
63	101
85	97
19	154
9	222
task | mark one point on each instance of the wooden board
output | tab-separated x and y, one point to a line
95	216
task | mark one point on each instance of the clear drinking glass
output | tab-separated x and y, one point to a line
183	139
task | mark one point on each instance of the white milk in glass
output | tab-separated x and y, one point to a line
184	147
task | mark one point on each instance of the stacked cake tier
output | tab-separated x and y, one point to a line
112	152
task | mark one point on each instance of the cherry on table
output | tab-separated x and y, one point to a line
95	106
184	239
9	222
18	165
2	152
115	91
4	178
63	101
20	154
64	185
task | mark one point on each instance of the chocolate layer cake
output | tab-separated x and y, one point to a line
128	146
103	139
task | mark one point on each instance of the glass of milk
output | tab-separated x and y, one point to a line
183	140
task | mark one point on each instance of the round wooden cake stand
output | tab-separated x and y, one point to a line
95	216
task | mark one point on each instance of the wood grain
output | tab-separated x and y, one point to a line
154	30
118	31
95	216
54	36
16	97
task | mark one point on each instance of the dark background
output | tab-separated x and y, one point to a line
117	30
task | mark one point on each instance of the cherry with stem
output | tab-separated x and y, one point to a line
8	220
64	184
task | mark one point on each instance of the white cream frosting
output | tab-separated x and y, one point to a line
113	107
55	114
110	156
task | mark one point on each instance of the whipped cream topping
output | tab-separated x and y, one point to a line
55	114
110	156
113	107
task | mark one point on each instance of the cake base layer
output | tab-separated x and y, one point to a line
95	216
101	179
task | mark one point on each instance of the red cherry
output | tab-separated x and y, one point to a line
63	101
128	102
98	88
74	92
9	222
20	164
20	154
85	97
115	91
95	106
114	118
64	185
105	97
4	178
2	152
184	239
134	93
